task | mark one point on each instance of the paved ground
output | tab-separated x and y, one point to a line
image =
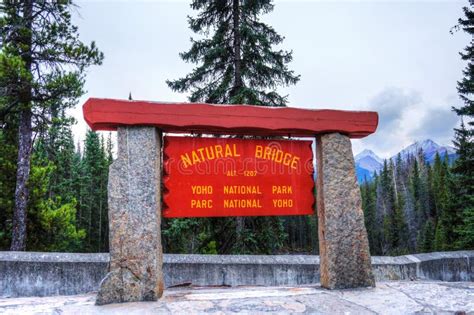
397	297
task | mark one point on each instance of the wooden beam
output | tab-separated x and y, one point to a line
107	114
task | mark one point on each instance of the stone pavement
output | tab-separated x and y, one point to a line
395	297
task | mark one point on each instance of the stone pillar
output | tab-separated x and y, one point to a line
136	255
343	245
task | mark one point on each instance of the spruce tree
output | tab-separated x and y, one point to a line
466	85
368	194
42	65
463	170
237	61
93	207
8	154
427	237
463	186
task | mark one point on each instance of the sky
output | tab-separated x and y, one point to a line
394	57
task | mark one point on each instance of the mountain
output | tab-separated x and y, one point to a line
367	162
430	148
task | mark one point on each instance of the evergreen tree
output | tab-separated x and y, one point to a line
51	220
463	186
466	85
445	235
8	154
463	170
93	191
41	66
427	237
368	193
237	63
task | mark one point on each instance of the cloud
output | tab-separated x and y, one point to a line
437	123
405	117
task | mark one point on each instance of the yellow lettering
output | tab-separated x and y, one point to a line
258	151
209	153
228	151
282	190
201	151
198	204
287	159
279	156
218	151
294	162
201	190
267	153
235	151
186	160
195	157
283	203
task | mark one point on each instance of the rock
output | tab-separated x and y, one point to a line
136	256
343	244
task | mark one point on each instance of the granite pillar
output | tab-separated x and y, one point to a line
343	243
134	189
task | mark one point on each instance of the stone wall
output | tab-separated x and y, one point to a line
44	274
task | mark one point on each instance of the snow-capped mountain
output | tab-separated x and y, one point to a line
429	147
367	162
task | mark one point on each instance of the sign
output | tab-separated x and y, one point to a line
218	177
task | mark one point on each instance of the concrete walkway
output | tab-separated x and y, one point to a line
396	297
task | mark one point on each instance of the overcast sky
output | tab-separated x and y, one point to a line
395	57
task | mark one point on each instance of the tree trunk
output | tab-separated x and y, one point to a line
25	133
237	47
235	89
239	231
22	176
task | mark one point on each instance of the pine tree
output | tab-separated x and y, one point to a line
51	220
463	170
42	63
447	215
427	237
462	188
368	193
466	85
8	154
93	201
237	63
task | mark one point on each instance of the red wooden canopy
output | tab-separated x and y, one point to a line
108	114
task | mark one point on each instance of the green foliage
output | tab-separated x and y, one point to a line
463	186
237	63
182	235
52	222
467	229
58	221
466	85
368	193
463	170
410	206
426	238
8	155
42	63
41	51
92	185
263	235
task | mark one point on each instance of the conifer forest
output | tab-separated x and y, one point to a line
53	187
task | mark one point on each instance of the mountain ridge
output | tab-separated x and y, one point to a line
368	162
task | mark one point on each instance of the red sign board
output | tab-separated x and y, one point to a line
218	177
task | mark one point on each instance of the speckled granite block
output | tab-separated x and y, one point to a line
134	218
343	244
